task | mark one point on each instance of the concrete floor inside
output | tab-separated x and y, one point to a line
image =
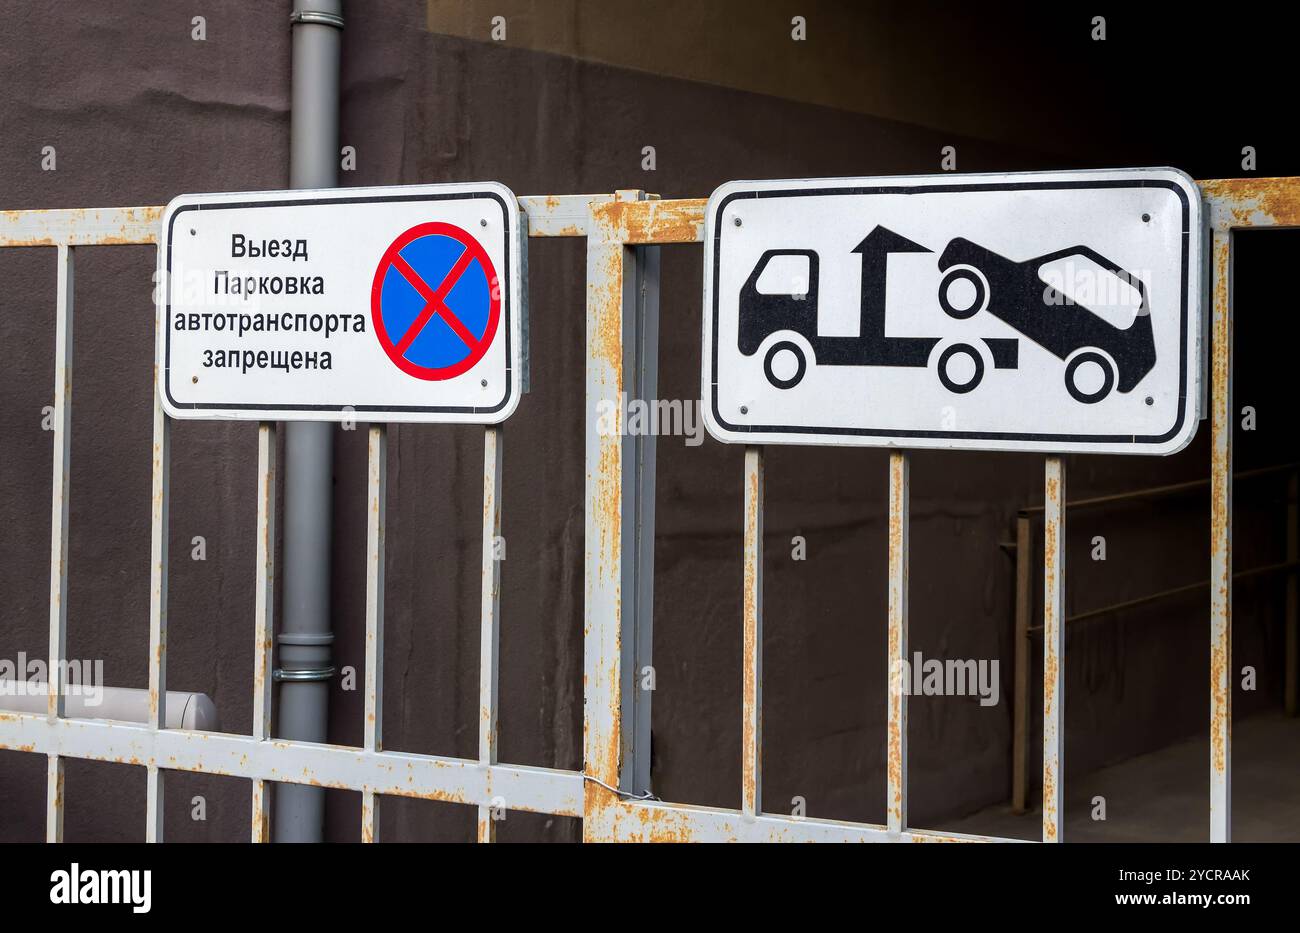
1163	796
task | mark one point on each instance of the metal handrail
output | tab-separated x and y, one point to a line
1264	570
1154	492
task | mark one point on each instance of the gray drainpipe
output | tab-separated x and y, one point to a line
305	670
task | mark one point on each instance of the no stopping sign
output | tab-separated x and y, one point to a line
436	301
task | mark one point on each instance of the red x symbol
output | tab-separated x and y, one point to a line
434	301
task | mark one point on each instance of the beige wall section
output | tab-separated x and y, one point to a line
878	57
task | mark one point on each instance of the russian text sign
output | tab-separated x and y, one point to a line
372	304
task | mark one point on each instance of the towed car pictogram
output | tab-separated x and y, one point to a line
1018	294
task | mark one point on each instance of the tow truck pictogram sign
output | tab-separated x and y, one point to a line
1057	312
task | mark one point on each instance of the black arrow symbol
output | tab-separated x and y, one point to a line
877	349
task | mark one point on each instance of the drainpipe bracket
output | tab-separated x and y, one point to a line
298	17
280	675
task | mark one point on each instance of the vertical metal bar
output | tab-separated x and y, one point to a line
1292	642
639	371
603	505
1054	650
1221	543
158	606
263	615
751	737
644	283
1020	696
154	781
377	494
369	815
62	425
54	799
899	545
490	618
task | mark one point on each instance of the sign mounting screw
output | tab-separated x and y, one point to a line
736	221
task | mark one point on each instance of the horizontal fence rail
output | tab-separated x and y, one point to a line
612	793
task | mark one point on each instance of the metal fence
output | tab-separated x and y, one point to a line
612	792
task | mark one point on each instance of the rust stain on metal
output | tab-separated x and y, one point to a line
753	713
1222	326
116	227
568	230
367	820
1220	517
609	513
895	763
645	222
894	754
1250	202
613	747
1051	661
1049	678
639	823
606	303
1219	701
605	349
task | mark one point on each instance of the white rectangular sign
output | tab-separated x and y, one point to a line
1057	312
370	304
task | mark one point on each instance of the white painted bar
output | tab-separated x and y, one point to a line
1054	650
398	774
263	619
490	617
899	551
376	505
751	736
1222	420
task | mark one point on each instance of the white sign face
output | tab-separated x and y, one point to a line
366	304
1056	312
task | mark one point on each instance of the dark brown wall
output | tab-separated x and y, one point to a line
139	113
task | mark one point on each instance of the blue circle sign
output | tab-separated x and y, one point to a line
435	302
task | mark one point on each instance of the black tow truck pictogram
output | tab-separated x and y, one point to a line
1013	292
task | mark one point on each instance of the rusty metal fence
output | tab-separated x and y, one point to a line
612	793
